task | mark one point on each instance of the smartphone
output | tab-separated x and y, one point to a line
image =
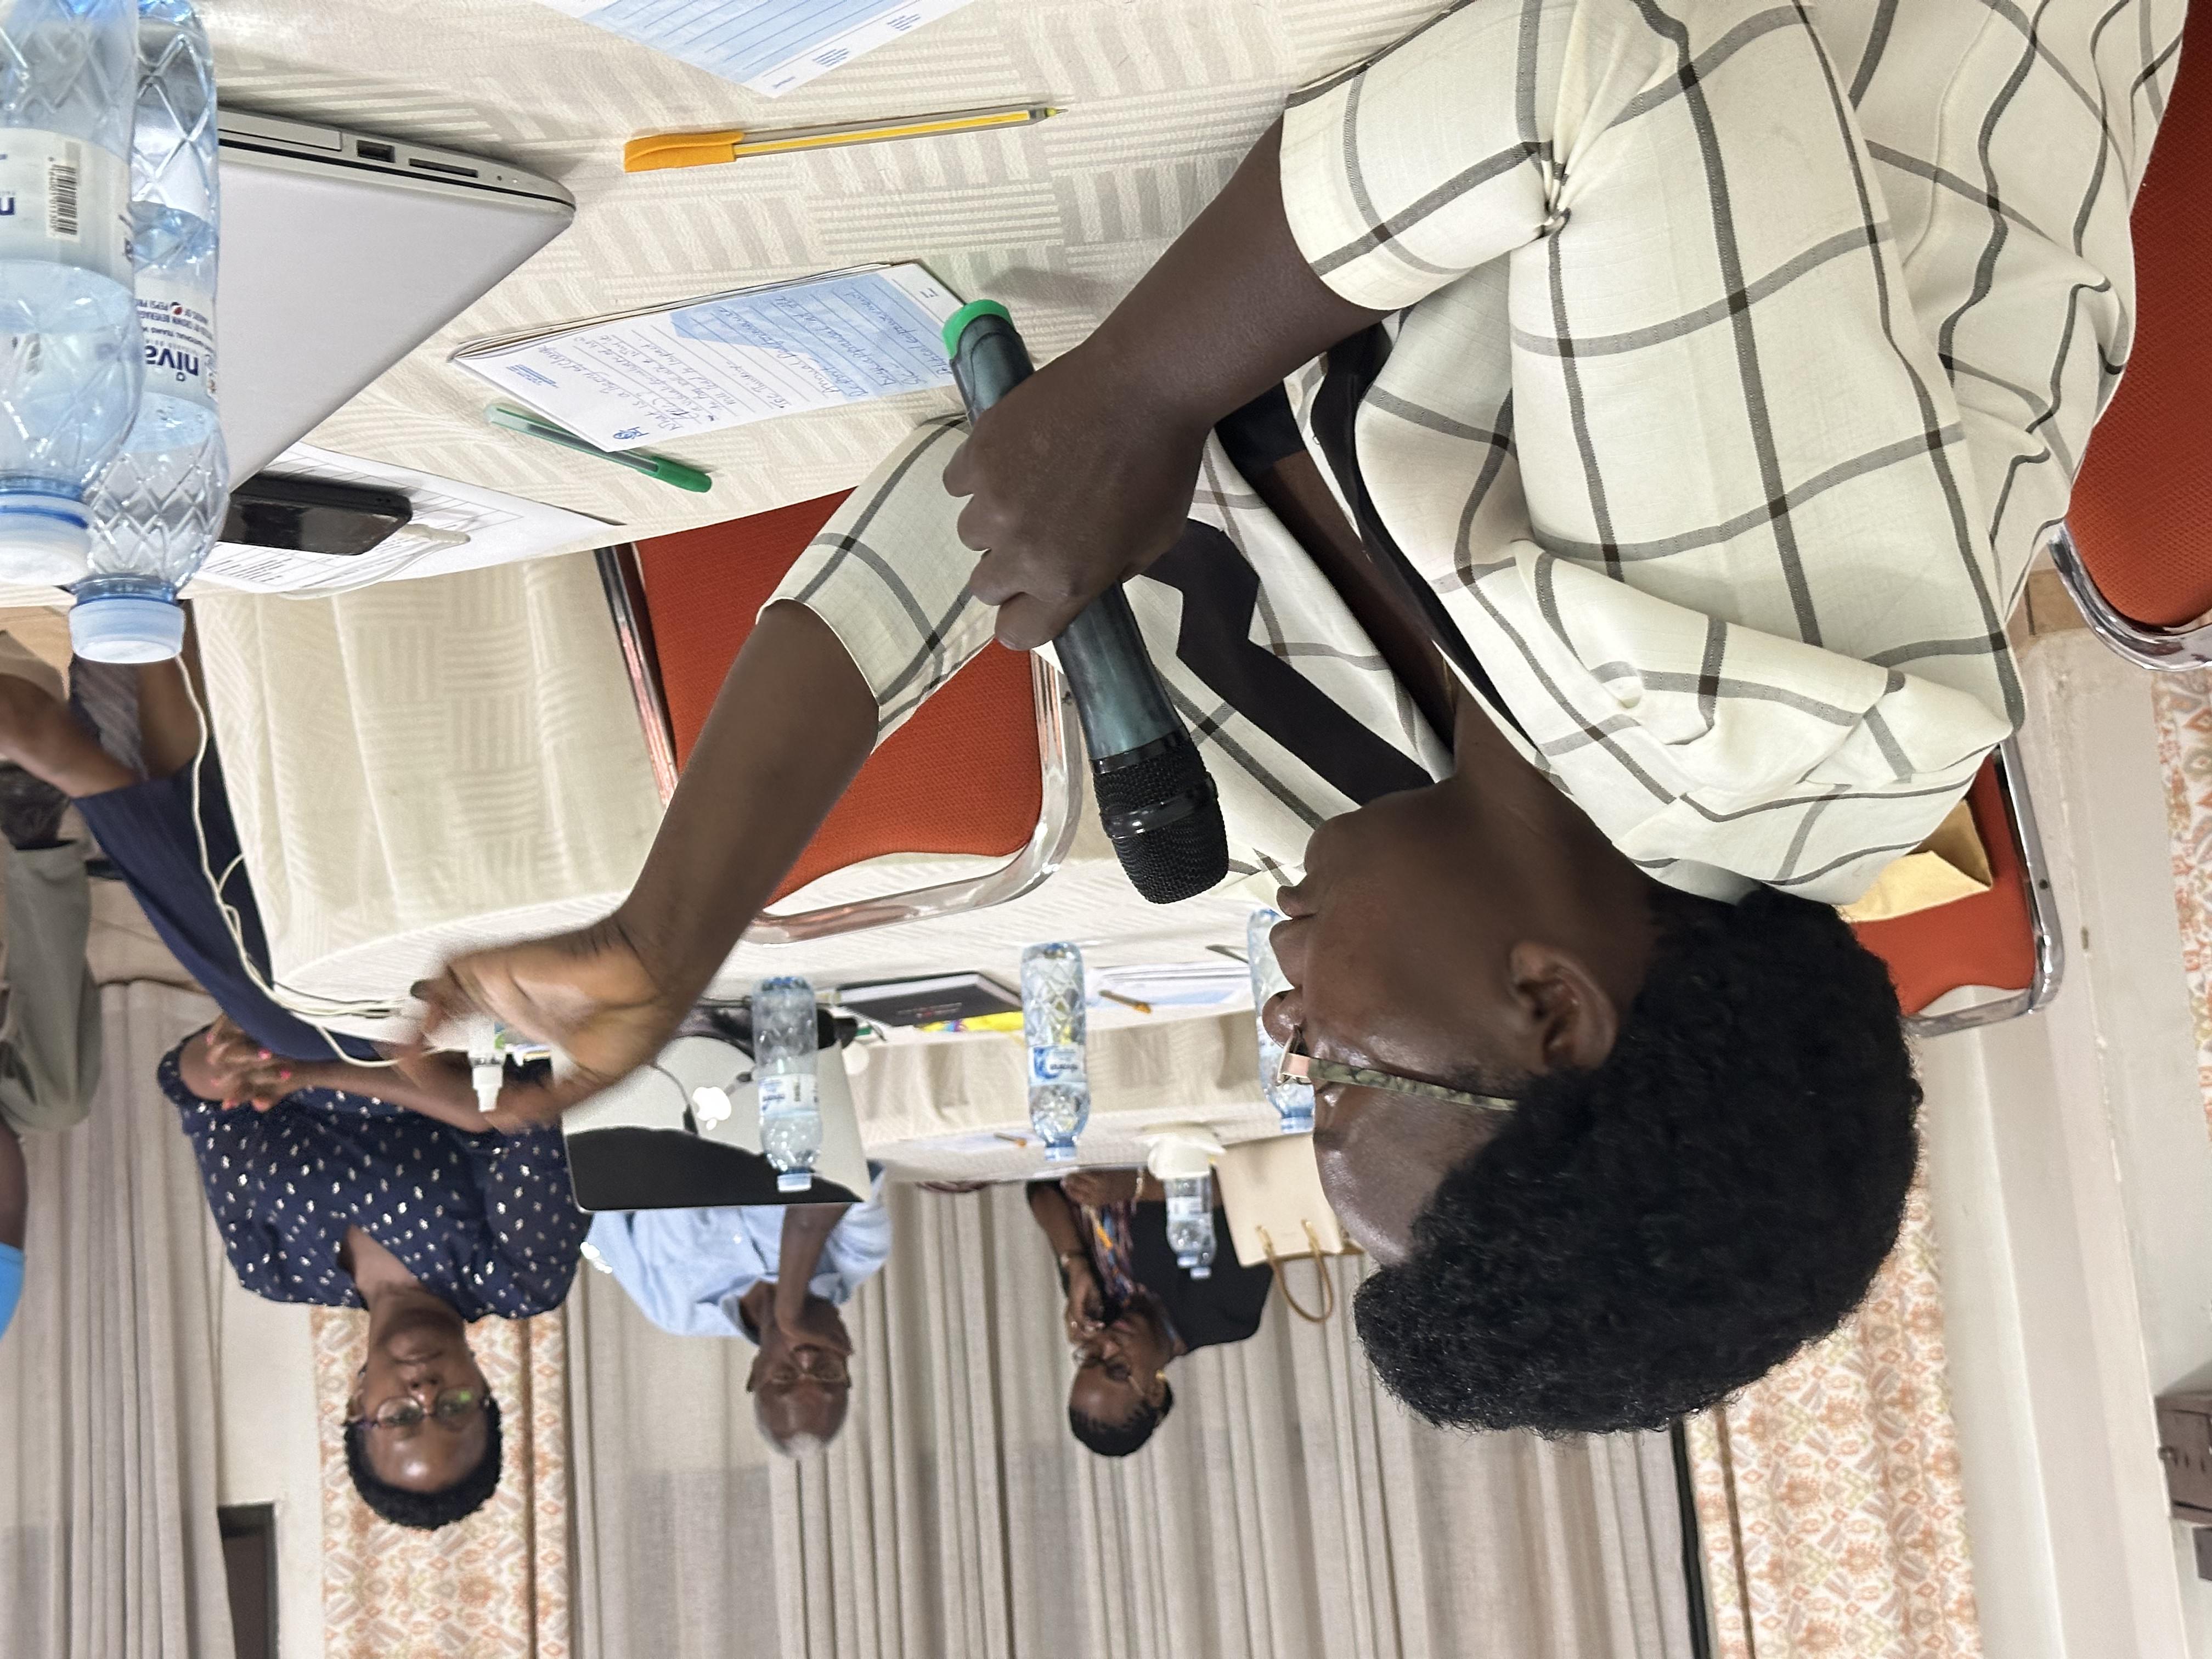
313	515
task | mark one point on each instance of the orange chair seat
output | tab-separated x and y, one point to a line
961	776
2141	512
1987	939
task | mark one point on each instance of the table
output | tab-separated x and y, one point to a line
937	1110
1058	220
429	764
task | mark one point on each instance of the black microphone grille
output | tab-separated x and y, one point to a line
1163	816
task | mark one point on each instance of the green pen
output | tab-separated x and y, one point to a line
654	466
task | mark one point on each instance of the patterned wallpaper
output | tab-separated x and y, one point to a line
495	1586
2183	705
1829	1503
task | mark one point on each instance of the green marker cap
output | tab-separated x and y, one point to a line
957	323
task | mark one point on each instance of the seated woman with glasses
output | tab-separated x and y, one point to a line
348	1186
1131	1310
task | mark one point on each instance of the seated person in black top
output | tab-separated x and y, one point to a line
350	1184
1131	1311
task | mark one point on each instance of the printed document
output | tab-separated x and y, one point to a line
729	359
767	45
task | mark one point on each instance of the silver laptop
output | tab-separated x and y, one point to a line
341	253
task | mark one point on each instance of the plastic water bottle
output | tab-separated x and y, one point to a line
1190	1223
1054	1025
69	329
156	512
1293	1102
784	1032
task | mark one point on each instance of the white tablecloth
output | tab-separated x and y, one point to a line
1161	99
953	1108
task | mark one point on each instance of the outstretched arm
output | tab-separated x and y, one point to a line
793	724
1079	479
807	1230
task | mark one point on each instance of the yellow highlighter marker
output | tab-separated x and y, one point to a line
698	150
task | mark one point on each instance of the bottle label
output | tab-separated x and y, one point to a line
65	202
781	1095
1055	1062
178	322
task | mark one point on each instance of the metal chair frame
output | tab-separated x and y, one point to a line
1047	849
2164	650
2043	911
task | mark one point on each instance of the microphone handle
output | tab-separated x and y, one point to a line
1123	713
1155	801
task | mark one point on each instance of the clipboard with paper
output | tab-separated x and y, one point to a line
728	359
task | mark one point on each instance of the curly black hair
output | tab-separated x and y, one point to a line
427	1512
1646	1237
1119	1439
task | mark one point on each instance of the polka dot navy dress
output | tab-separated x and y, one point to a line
485	1221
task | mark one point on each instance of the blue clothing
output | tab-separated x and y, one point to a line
148	833
687	1270
485	1221
11	1284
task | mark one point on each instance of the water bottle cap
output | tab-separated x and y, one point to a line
1059	1154
795	1180
44	539
124	628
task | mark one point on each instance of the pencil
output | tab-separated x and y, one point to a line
1127	1002
656	150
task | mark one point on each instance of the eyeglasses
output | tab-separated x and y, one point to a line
405	1411
827	1367
1300	1067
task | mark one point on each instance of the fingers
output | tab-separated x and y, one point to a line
447	1001
1025	624
960	471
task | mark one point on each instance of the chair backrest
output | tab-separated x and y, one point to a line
2141	515
962	777
1988	939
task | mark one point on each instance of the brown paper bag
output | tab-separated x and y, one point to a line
1950	864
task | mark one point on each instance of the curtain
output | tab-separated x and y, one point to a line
1287	1508
108	1541
495	1586
2182	704
1830	1512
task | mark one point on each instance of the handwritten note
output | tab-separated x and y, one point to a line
732	359
769	45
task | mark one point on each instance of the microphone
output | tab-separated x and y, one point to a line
1157	802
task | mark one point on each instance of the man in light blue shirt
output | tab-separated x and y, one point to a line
774	1274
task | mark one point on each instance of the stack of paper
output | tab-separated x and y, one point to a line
672	371
769	45
1177	984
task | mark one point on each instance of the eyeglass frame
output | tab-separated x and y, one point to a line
1297	1066
473	1400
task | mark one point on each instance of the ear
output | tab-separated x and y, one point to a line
1572	1020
